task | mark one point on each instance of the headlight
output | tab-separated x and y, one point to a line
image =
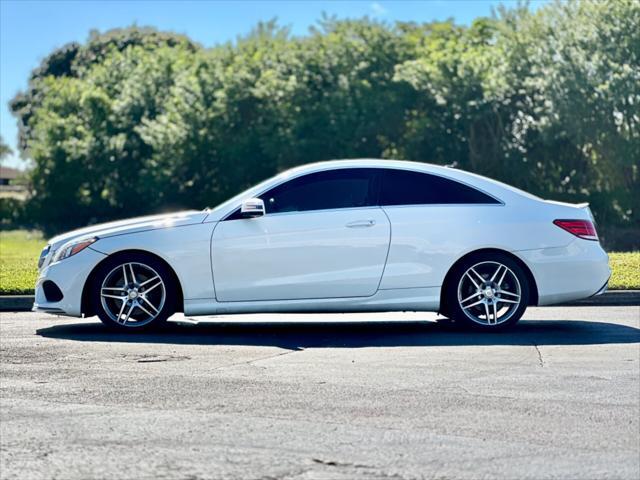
43	255
73	247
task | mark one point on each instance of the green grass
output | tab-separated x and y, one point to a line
19	251
626	270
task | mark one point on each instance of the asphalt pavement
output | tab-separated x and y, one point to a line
389	396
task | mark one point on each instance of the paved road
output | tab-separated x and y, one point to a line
559	396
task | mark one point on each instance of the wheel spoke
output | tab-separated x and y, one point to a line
126	319
486	309
473	304
470	297
145	310
110	292
502	277
495	274
504	292
147	290
116	297
506	300
150	280
475	284
150	304
124	304
124	273
480	277
133	275
495	312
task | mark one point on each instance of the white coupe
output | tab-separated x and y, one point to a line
338	236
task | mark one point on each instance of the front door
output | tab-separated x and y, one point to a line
322	237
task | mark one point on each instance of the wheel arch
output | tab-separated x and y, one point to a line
533	286
88	310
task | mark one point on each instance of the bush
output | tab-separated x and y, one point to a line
135	121
12	213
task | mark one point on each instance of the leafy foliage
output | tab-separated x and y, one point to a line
137	120
5	150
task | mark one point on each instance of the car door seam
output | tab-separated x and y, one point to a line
386	259
213	276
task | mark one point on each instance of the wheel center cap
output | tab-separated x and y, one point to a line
488	292
133	294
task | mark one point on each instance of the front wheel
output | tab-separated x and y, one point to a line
488	292
133	292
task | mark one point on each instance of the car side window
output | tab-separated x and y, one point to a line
342	188
405	187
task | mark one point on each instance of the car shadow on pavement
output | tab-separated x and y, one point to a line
296	336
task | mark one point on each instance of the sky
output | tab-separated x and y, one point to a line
31	29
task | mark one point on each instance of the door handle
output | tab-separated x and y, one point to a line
361	224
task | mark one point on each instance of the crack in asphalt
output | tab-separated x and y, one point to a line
163	358
250	362
378	472
333	463
540	360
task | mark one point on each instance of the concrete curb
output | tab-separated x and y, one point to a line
16	303
619	298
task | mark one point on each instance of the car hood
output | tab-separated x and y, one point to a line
131	225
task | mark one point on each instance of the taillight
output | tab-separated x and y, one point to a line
579	228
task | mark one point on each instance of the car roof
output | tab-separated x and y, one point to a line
503	192
493	187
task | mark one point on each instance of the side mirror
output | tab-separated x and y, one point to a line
253	207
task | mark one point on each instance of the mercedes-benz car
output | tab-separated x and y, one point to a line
337	236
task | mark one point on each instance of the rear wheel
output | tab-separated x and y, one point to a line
488	292
134	292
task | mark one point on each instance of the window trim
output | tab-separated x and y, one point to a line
324	210
377	186
372	194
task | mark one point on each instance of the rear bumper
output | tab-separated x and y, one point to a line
70	276
573	272
604	288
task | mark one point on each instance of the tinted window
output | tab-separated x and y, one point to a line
345	188
403	187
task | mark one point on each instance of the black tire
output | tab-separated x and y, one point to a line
154	286
489	297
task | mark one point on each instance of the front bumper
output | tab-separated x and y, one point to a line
70	276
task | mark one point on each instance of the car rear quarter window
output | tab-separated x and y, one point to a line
405	187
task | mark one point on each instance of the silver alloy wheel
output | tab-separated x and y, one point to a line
489	293
133	294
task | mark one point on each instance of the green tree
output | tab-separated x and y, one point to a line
5	150
572	72
136	120
79	122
